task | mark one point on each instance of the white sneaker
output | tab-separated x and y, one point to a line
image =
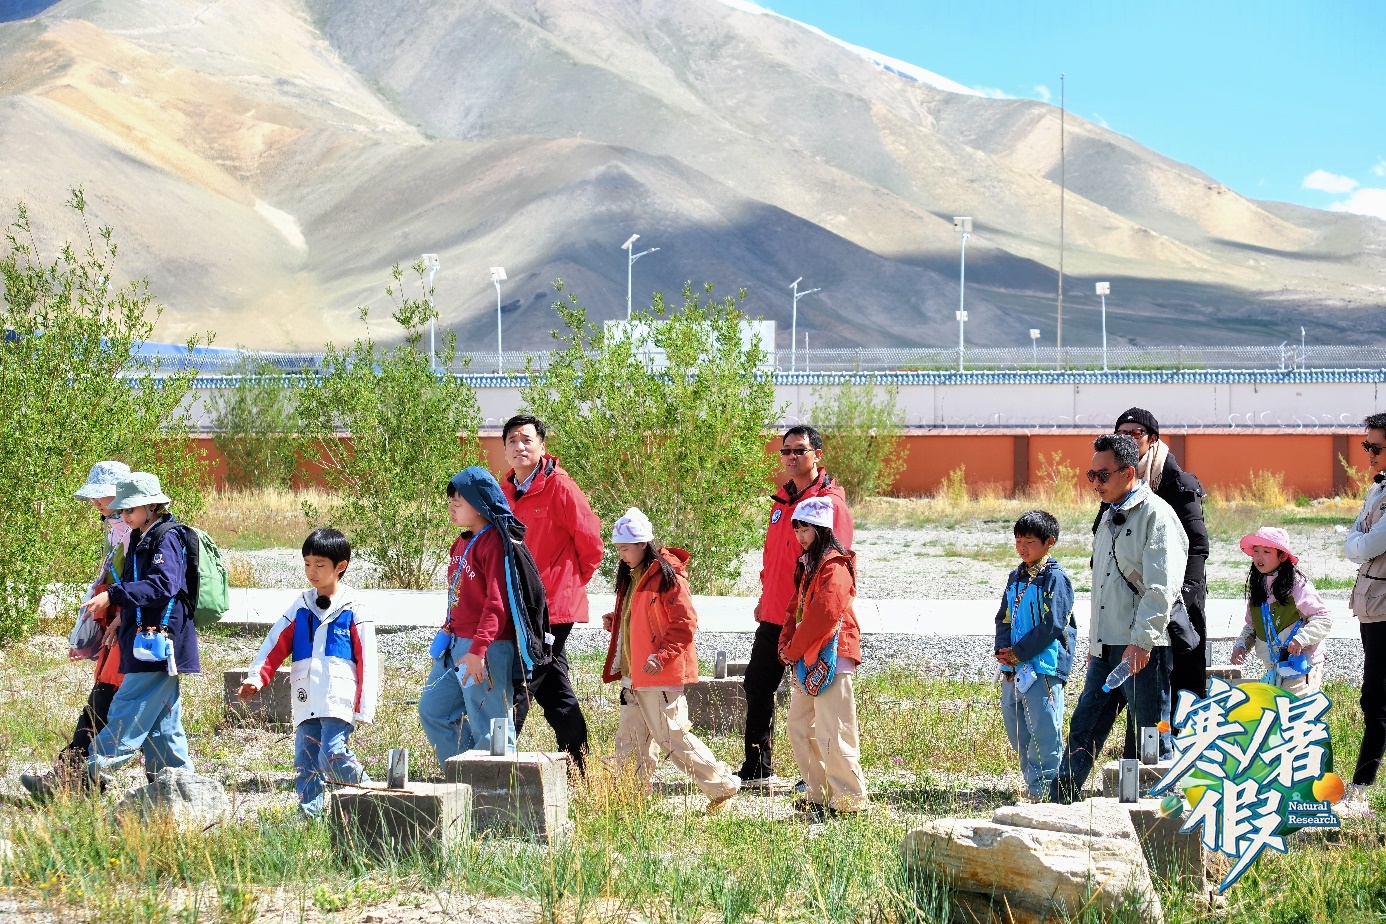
1354	803
766	783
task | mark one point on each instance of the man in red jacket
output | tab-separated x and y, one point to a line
800	453
565	538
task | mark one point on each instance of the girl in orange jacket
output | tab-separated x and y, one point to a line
821	645
651	653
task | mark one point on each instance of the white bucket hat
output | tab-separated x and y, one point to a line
137	490
102	480
815	510
633	527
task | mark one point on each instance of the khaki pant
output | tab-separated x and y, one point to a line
823	732
656	721
1307	685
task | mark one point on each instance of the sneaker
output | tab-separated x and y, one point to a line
1354	803
43	787
801	786
769	782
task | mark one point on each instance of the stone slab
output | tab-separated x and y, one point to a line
192	800
1150	774
423	817
1089	818
1033	874
515	795
719	706
272	708
1170	853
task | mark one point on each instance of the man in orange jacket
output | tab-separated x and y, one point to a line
801	452
565	538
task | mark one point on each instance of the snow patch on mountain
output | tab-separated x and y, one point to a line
884	62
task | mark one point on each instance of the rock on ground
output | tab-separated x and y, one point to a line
189	798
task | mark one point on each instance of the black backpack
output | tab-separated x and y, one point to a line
527	603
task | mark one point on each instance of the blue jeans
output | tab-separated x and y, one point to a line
146	714
1147	697
1035	728
457	719
321	754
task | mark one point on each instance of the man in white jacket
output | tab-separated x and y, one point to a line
335	675
1366	545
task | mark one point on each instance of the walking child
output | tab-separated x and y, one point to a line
821	646
497	622
1285	615
92	639
157	636
335	674
1035	640
651	653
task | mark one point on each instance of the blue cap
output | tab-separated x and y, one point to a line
102	480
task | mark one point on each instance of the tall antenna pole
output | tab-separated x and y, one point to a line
1063	189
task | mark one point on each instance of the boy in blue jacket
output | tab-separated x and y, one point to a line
1035	639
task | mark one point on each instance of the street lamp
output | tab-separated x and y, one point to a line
794	324
1104	289
497	277
963	225
430	262
631	257
1034	343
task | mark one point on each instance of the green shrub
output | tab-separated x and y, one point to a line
69	398
668	414
411	429
862	427
254	424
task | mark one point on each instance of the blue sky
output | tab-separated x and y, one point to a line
1277	99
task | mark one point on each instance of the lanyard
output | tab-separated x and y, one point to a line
168	610
457	575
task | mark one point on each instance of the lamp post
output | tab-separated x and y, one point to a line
631	257
430	262
1034	343
497	277
963	225
1104	289
794	324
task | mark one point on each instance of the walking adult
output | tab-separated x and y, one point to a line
1138	557
1366	545
801	455
564	536
1188	630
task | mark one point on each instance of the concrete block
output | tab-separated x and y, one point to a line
1232	673
273	708
515	795
1150	774
719	706
1170	853
737	668
427	817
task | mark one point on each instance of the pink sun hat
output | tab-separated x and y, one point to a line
1272	537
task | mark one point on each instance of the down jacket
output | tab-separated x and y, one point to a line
662	623
336	670
827	597
782	549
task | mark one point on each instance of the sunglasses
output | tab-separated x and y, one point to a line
1135	431
1374	449
795	451
1101	476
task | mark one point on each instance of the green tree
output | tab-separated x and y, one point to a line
669	414
71	394
254	424
410	430
862	426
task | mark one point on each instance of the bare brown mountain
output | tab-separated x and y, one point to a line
265	161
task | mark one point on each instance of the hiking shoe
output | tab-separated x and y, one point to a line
765	783
43	787
816	812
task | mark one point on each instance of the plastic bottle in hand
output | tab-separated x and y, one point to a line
1119	675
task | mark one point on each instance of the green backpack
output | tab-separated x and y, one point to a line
208	593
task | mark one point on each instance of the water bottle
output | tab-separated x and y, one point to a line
1118	676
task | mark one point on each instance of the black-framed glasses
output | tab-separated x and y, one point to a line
795	450
1373	449
1099	476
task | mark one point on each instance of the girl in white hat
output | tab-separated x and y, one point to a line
1282	600
651	653
821	645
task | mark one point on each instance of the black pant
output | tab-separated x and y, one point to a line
552	689
1373	702
1190	671
89	724
763	675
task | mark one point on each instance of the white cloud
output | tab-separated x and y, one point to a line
1043	92
1380	168
993	93
1365	201
1327	182
1100	121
